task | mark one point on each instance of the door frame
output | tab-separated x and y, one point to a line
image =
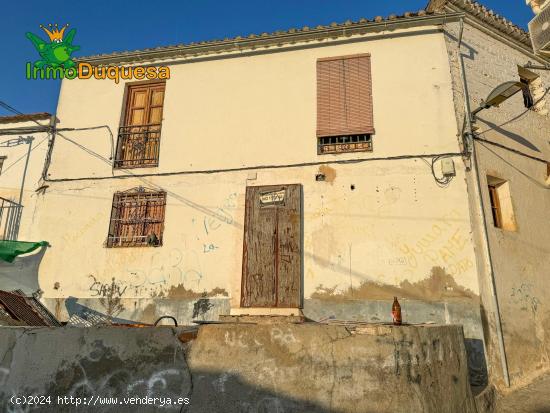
301	244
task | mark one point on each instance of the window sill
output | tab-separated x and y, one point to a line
338	148
133	246
115	167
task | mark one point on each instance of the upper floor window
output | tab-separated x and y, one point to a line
137	218
2	160
344	104
139	136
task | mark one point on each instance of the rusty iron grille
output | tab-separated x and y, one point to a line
10	217
138	146
18	309
349	143
137	219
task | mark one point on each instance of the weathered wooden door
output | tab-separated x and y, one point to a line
272	254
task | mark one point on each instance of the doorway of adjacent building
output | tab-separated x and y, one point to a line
272	251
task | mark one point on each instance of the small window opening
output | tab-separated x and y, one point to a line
2	159
495	206
501	204
533	91
528	100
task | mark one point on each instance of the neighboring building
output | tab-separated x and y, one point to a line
319	170
24	142
537	5
18	133
513	155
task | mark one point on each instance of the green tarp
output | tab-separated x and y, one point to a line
11	249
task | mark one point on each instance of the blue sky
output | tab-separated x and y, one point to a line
107	26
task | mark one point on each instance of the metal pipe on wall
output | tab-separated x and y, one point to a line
470	147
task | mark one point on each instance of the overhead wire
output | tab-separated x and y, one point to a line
525	174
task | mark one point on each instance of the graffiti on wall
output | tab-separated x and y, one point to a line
109	295
443	244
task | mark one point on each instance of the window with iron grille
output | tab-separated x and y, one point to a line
137	218
139	137
344	104
349	143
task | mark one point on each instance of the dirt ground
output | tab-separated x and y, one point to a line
534	398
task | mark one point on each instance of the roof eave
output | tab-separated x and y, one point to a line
278	39
25	117
485	15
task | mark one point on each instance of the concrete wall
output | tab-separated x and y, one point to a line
236	368
520	257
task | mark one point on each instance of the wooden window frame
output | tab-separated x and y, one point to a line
356	136
501	203
148	216
151	133
495	206
2	161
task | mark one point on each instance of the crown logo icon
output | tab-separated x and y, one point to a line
54	33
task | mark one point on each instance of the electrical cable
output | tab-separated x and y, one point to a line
93	128
245	168
435	157
9	108
499	145
535	181
4	170
517	116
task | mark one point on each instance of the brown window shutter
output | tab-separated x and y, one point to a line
137	218
344	96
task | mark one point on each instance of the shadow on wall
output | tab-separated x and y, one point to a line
244	369
435	299
99	367
82	315
477	364
471	52
216	393
514	136
22	273
206	392
94	311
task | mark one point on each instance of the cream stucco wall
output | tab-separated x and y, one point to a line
395	225
260	109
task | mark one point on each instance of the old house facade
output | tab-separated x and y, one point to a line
273	169
319	170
